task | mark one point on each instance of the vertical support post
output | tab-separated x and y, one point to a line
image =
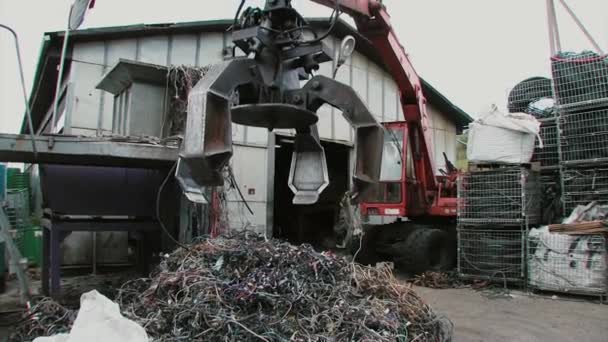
550	25
580	25
55	261
28	111
554	27
270	165
94	254
46	261
64	48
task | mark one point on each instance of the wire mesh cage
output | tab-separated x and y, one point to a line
567	263
548	155
504	195
533	96
584	185
497	255
583	136
551	194
580	79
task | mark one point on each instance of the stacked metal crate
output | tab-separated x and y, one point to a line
534	96
578	263
546	154
496	206
581	96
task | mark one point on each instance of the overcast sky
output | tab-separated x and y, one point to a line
473	51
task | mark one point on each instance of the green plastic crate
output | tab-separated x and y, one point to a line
15	179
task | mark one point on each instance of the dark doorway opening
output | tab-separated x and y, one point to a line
311	224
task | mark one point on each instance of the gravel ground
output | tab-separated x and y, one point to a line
522	317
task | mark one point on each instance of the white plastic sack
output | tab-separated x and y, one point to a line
502	138
99	319
567	263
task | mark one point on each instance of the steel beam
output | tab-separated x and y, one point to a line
73	150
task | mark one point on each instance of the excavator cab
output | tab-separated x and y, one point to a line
387	197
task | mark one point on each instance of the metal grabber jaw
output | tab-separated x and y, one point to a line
265	91
213	106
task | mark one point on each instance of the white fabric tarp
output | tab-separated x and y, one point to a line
99	320
567	263
502	138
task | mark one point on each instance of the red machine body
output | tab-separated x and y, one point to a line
418	192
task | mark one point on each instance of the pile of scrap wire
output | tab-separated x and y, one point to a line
45	318
245	288
438	280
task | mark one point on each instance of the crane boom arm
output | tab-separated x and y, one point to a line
373	22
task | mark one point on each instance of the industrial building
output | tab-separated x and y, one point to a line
86	110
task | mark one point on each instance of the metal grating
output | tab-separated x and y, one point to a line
584	136
584	185
548	155
580	79
567	263
504	195
496	255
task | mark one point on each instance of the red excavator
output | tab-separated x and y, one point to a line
394	173
408	185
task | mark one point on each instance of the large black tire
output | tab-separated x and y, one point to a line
364	249
426	250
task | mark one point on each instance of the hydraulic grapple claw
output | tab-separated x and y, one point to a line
265	91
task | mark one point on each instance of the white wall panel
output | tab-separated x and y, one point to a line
121	48
376	96
390	99
325	124
257	135
183	49
86	71
249	167
210	48
115	50
342	127
153	50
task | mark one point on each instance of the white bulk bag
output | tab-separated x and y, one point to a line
502	138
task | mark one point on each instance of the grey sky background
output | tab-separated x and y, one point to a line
472	51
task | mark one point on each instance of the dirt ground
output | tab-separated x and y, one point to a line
521	317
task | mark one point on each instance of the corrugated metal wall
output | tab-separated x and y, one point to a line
91	110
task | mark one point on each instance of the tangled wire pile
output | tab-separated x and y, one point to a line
245	288
181	80
46	318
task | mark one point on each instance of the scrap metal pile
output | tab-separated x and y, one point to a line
245	288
